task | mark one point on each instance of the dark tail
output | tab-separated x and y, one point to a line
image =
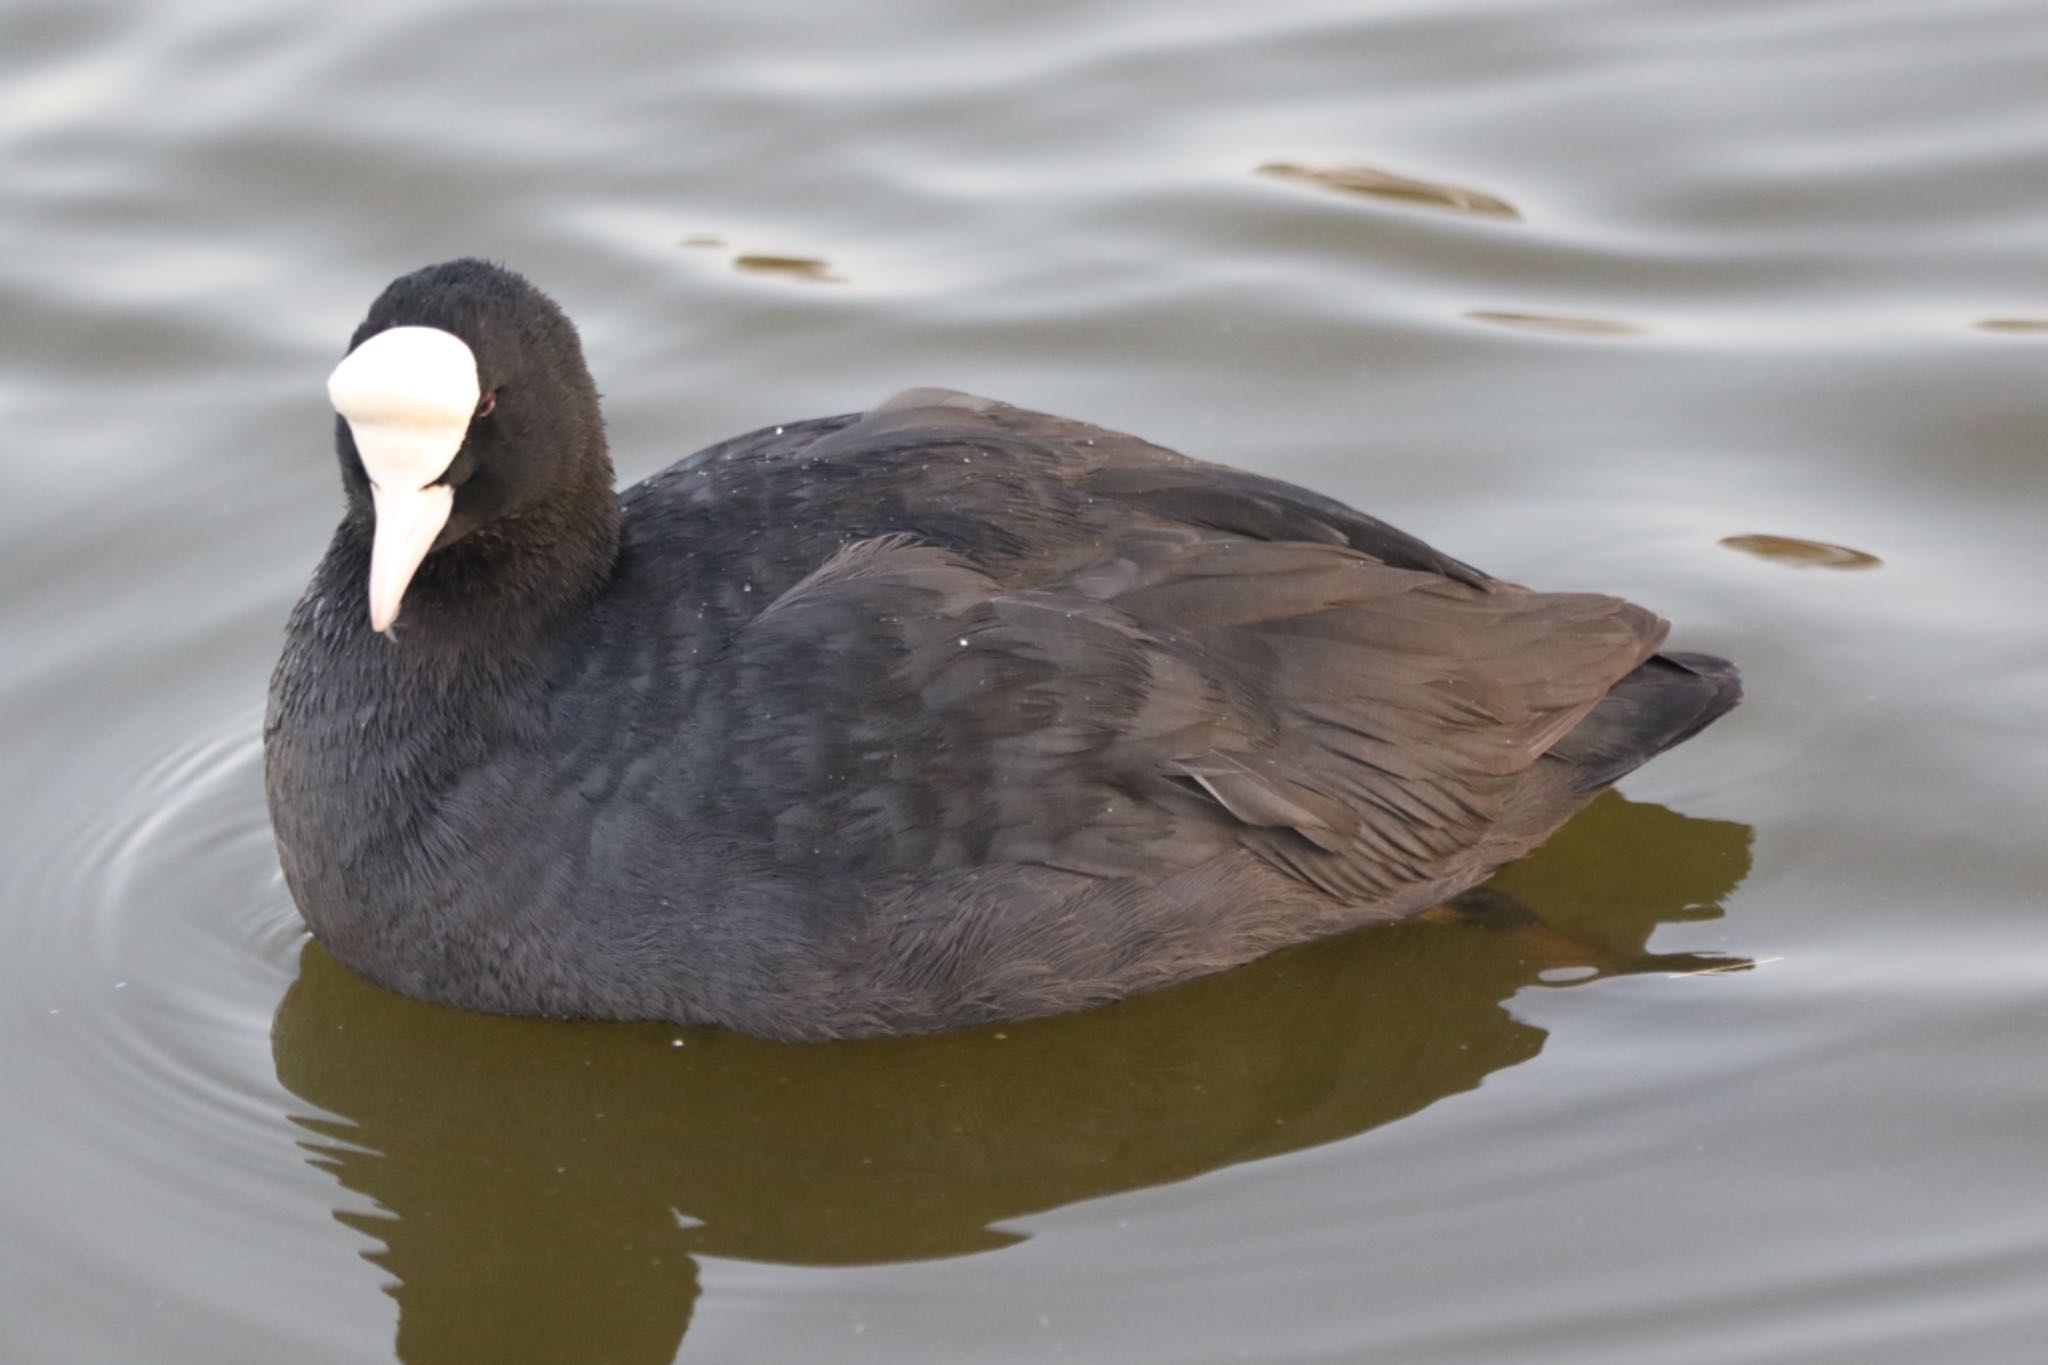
1666	701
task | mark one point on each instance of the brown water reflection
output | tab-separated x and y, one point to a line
546	1187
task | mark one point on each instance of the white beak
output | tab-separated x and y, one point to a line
407	522
408	394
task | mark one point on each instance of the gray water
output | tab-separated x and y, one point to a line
1660	297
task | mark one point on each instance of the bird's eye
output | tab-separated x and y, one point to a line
490	400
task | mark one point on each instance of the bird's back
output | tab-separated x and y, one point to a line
1020	700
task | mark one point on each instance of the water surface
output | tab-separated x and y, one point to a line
1737	308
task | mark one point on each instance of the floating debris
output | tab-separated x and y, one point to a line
1557	322
1378	184
1726	968
2019	325
702	239
1802	554
798	267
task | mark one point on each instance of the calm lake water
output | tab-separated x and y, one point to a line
1663	297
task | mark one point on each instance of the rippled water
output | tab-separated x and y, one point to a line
1740	308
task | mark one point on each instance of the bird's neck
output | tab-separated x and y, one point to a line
491	598
381	718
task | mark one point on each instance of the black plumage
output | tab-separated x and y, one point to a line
908	719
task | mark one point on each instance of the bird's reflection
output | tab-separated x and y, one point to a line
544	1187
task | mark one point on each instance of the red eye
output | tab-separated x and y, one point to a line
483	409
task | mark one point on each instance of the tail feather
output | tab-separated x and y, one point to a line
1664	702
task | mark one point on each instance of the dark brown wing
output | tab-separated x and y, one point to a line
1188	690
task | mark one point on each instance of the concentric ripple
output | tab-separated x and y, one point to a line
150	939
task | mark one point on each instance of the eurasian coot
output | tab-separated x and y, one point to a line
889	722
